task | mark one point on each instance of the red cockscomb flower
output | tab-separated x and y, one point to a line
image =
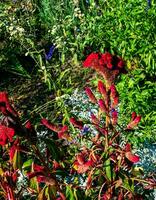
92	60
106	59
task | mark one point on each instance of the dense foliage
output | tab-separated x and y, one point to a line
47	152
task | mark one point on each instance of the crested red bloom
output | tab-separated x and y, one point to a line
91	60
76	123
106	59
114	117
49	125
6	134
134	122
102	105
5	104
90	94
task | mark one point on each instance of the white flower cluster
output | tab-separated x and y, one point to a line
78	13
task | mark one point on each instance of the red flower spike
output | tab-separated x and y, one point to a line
114	117
6	134
76	123
90	94
131	157
134	123
109	66
102	105
114	92
94	119
91	60
50	126
114	96
102	89
133	115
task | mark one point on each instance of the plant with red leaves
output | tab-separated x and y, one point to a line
102	160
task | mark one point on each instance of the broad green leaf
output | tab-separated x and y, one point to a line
27	163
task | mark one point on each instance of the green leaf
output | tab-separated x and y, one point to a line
108	169
70	194
27	163
54	150
17	164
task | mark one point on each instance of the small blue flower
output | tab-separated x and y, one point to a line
49	55
84	131
148	5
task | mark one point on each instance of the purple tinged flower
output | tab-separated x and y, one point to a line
84	131
149	3
49	55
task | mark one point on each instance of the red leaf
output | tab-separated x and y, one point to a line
49	125
76	123
6	104
128	147
131	157
6	134
134	123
